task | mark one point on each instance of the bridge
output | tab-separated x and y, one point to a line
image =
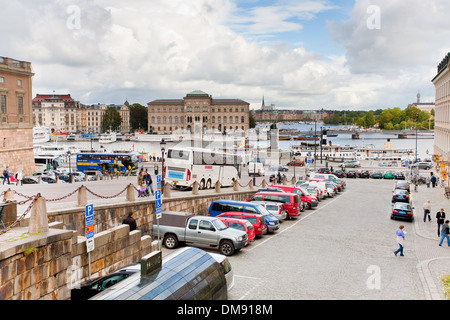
400	134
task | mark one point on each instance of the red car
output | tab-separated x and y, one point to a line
240	224
311	201
291	200
297	163
256	219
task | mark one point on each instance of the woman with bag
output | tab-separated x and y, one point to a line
400	240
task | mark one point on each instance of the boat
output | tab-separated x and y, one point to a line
71	137
41	135
60	133
284	138
108	137
306	138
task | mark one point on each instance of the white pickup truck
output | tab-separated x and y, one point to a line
181	227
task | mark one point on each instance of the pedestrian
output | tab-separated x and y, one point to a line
426	211
19	177
433	180
129	220
445	233
440	217
400	240
6	175
428	180
140	178
149	181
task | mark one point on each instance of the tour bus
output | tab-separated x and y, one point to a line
184	166
46	162
188	274
111	162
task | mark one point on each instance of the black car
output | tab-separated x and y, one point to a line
340	174
352	174
402	185
48	179
324	170
403	211
90	288
399	176
30	180
376	175
364	174
400	195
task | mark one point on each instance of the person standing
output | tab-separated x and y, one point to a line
400	240
433	179
140	178
445	233
129	220
148	181
19	177
426	211
440	217
6	175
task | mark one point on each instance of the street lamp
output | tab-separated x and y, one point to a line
162	144
70	167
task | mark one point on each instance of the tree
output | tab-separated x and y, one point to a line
111	119
369	120
252	122
138	117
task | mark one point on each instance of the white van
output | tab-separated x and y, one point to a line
256	168
322	186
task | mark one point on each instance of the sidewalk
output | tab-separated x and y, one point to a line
433	260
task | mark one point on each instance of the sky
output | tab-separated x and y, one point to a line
297	54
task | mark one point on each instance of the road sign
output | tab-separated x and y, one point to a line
90	243
158	204
158	181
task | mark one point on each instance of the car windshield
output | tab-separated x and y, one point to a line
262	210
219	225
402	206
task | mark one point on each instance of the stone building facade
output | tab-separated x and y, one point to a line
198	112
16	126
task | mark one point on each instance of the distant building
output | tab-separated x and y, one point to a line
16	123
442	112
92	116
424	106
198	112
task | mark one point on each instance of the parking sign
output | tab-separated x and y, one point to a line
158	204
90	243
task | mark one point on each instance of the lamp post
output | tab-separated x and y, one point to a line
162	144
70	167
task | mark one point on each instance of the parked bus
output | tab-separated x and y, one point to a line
111	162
184	166
187	274
47	162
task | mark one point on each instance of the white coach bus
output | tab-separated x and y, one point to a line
183	166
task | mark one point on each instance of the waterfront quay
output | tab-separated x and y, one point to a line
340	250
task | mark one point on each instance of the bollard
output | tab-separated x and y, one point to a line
195	188
82	196
131	196
250	185
166	190
293	181
284	181
236	185
264	183
218	187
39	217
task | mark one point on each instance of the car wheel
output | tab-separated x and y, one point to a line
226	248
308	206
170	241
202	185
208	184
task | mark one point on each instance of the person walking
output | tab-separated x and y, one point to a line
129	220
445	233
426	211
440	217
400	240
6	175
148	181
433	179
19	177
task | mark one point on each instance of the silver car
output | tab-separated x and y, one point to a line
275	208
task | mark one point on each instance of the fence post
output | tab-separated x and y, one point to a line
195	188
82	196
39	217
236	185
166	190
131	196
217	186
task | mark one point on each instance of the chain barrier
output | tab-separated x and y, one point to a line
23	214
106	197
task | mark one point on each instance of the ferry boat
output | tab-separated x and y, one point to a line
41	135
108	137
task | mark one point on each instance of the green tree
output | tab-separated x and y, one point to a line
369	120
111	119
138	117
252	122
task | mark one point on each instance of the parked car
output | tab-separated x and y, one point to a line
350	164
227	269
256	219
48	179
93	175
326	188
352	174
313	190
30	180
364	174
280	168
399	176
275	208
256	169
90	288
310	201
340	174
296	162
325	170
183	227
400	195
240	224
78	176
376	175
388	175
383	164
423	165
403	211
290	200
402	185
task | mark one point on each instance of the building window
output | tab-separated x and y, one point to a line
19	82
2	80
3	104
20	105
